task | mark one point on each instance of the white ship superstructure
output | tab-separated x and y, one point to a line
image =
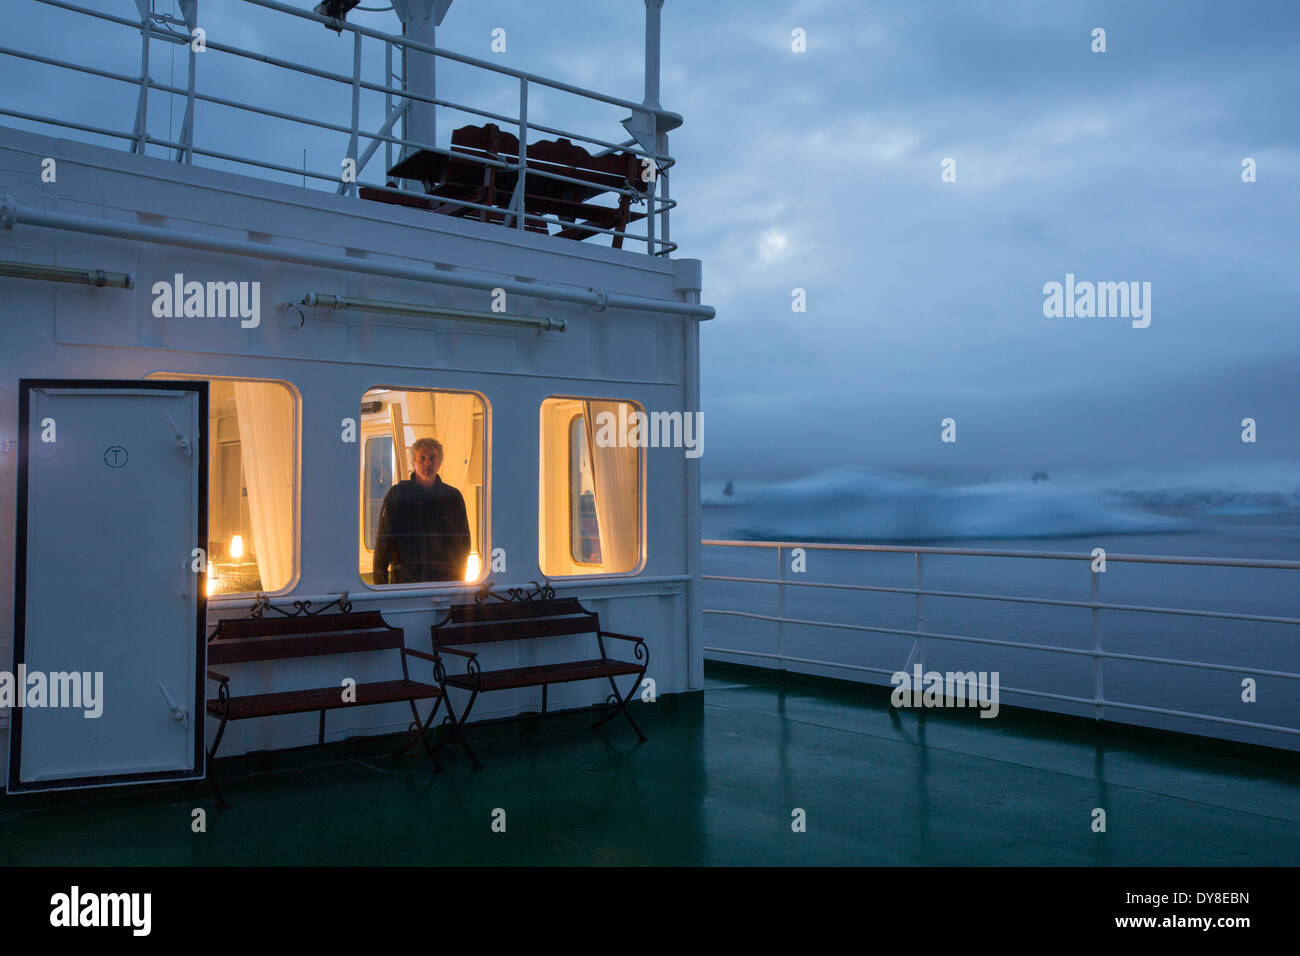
208	356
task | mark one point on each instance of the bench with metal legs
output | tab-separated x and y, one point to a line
260	640
531	620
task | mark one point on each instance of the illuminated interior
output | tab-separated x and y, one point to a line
589	518
252	484
391	421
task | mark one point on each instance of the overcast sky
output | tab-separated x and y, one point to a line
820	170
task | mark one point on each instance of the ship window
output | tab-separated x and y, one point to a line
412	531
590	512
253	484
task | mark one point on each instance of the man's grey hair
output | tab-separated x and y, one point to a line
428	443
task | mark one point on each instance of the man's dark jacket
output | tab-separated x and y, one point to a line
423	534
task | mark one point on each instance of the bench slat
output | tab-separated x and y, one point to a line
558	607
241	628
323	698
543	674
274	647
456	634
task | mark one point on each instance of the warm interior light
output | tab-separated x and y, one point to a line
237	546
213	581
472	567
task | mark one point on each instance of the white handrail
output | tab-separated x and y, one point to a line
1099	701
162	27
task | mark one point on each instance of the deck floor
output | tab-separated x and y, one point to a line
716	785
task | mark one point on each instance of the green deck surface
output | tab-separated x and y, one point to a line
716	784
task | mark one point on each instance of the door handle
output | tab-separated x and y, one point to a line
182	442
179	714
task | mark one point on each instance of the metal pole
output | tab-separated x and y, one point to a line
651	102
419	68
191	10
920	612
521	205
356	113
388	102
1097	689
780	608
142	106
664	176
653	186
687	283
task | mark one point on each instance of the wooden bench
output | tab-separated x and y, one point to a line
471	172
263	640
467	625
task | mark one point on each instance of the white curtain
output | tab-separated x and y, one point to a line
615	473
554	491
267	438
454	414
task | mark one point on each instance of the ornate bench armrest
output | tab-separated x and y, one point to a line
623	637
424	654
640	649
213	675
451	650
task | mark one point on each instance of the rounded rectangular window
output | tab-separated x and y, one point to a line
423	487
252	484
590	514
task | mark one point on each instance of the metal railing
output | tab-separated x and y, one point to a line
1098	702
353	157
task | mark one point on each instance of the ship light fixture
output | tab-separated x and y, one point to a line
337	11
543	323
237	546
472	567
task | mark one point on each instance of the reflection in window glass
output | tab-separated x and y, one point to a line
379	466
589	519
422	486
252	482
584	533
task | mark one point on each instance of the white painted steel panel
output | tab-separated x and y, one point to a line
113	513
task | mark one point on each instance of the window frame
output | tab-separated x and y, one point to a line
485	517
643	499
296	577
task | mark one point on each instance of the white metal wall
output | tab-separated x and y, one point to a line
53	330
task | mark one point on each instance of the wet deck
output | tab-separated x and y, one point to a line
717	784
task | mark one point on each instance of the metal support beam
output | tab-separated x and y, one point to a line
420	19
12	213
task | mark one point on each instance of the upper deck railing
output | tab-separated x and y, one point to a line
360	101
1177	704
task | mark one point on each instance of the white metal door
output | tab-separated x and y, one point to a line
112	501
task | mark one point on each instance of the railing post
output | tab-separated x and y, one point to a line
388	101
663	174
190	10
653	185
780	607
919	578
356	109
1097	689
521	186
142	106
